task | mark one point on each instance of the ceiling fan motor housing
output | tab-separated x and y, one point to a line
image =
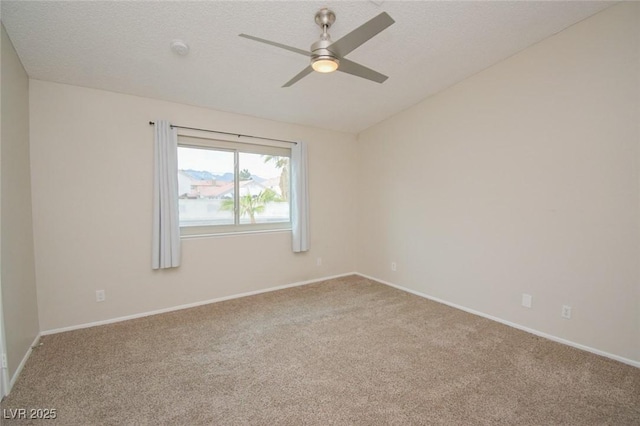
320	49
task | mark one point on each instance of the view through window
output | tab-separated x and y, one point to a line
228	189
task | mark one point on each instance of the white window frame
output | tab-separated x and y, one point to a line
188	141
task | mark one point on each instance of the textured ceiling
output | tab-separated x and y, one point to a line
124	47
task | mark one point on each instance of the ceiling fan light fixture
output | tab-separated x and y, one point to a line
326	55
325	64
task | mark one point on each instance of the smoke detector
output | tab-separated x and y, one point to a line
180	47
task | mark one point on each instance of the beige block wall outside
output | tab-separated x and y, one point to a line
92	170
521	179
18	283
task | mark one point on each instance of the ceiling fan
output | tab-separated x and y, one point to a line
328	56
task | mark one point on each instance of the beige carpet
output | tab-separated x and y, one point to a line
344	351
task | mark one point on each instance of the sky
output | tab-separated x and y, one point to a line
220	162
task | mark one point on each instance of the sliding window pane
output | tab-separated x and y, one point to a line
205	186
264	194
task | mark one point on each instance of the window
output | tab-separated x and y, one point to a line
232	187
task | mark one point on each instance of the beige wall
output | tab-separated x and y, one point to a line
92	155
521	179
18	283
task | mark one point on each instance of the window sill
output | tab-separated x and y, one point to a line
233	233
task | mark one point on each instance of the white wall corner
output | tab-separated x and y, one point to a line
22	363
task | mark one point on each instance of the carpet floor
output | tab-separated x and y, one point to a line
346	351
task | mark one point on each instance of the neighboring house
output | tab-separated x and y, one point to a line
274	185
203	188
190	187
246	186
184	183
212	191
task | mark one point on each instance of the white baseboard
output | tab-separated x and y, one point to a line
22	363
189	305
301	283
510	324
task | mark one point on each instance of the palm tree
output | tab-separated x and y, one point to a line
251	204
281	163
244	174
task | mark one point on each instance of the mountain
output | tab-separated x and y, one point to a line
207	175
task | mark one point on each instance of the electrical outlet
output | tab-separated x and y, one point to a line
100	296
526	300
394	267
319	261
566	312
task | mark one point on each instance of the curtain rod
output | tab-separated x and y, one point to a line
151	123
